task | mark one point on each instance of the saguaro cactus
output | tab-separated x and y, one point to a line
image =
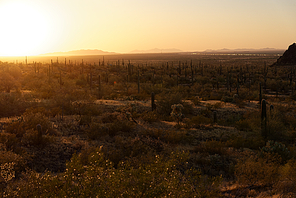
237	85
271	109
138	81
39	134
100	94
153	106
263	119
215	116
61	82
90	77
260	93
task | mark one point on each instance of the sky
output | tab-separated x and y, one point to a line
31	27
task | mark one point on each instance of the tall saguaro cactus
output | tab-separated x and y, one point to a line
153	106
39	134
260	93
263	119
138	81
100	94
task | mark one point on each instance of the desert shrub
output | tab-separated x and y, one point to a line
11	105
47	91
96	131
211	147
276	128
39	109
250	121
169	82
213	159
165	101
254	170
177	112
251	141
150	116
227	99
148	89
121	127
276	148
287	182
85	120
32	138
25	129
7	82
18	160
31	120
126	147
168	136
243	125
110	117
215	106
205	92
159	178
214	165
188	108
81	81
198	120
196	100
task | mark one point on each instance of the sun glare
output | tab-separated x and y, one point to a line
23	29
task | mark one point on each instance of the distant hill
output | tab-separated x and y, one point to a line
244	50
156	50
79	53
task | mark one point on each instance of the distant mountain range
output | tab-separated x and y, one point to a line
86	52
156	50
79	53
245	50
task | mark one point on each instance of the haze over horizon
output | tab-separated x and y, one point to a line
32	27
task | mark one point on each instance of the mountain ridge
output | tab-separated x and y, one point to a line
81	52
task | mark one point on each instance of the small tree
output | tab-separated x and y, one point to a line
177	112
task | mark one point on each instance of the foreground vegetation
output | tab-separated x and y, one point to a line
193	127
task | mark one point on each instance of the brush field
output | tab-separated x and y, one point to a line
148	125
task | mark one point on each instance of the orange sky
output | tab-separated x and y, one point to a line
31	27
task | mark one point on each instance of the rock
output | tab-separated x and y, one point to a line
289	56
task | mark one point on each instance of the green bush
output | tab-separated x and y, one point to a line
251	141
161	177
29	121
287	182
254	170
121	127
96	131
168	136
165	101
198	120
211	147
11	105
150	116
276	148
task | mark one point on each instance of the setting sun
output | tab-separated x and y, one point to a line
24	29
34	27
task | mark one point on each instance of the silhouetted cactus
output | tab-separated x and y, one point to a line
61	82
271	109
153	106
260	94
263	119
39	134
90	78
215	116
100	94
138	81
237	85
